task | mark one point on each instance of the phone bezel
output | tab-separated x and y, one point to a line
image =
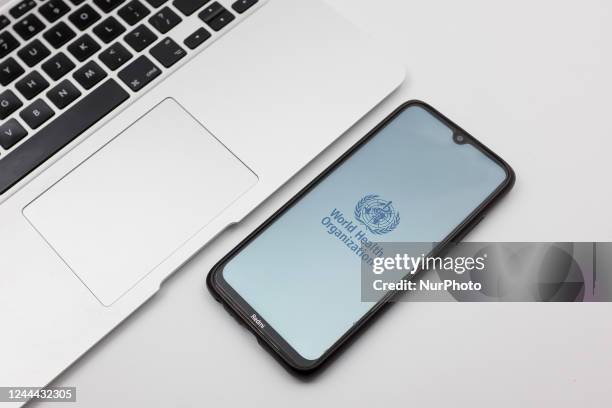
268	337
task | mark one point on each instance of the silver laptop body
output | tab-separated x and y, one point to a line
124	153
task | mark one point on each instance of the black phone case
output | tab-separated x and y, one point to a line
306	369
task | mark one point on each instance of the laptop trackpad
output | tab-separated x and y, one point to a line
130	205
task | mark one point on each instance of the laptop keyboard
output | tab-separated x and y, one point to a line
66	64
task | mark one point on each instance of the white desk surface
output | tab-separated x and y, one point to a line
533	80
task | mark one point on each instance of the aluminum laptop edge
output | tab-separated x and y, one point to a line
91	233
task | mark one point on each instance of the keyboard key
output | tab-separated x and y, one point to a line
108	5
59	132
167	52
10	70
4	21
11	132
29	26
53	9
59	35
22	8
63	94
243	5
36	114
58	66
211	12
83	48
109	29
216	16
139	73
9	103
164	20
76	2
221	21
84	17
198	37
31	85
224	19
140	38
156	3
133	12
7	43
89	75
115	56
188	7
33	53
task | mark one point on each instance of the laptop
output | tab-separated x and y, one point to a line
132	132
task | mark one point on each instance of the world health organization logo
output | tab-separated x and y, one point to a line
378	215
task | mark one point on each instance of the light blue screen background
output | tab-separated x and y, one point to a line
304	282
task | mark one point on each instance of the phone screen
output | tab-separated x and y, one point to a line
411	182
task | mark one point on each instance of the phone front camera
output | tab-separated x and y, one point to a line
459	139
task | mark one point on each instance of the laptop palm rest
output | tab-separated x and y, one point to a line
126	208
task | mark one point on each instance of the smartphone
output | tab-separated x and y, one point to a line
295	281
